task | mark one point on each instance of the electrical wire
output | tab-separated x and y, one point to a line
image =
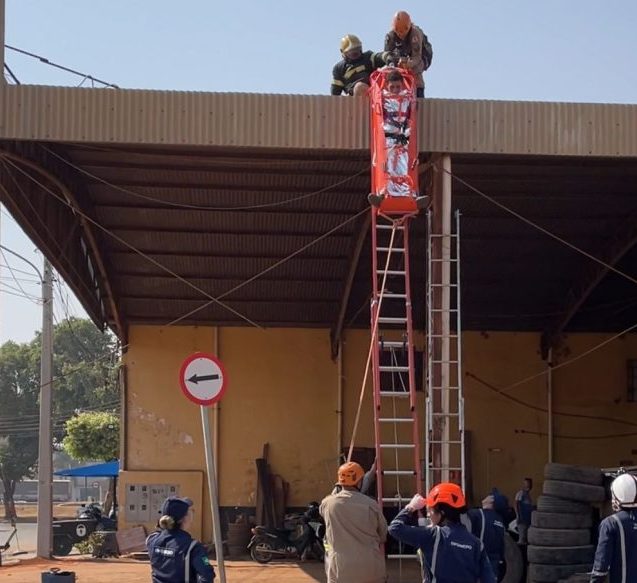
61	67
202	207
584	437
2	254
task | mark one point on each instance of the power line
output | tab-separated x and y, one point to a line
11	74
46	61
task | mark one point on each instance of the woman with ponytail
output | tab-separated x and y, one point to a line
175	557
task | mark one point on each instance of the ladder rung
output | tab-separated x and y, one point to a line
443	284
402	556
390	272
443	260
387	320
397	445
449	442
398	472
442	235
444	414
440	310
393	368
395	296
448	468
444	362
390	227
394	249
443	336
394	394
392	344
395	419
396	500
441	388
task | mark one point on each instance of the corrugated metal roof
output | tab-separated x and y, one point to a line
309	122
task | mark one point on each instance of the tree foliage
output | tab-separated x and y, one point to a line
85	363
92	436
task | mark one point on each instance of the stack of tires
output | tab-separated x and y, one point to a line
561	528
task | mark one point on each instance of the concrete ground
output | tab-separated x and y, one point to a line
114	571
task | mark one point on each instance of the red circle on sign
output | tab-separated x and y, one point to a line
184	386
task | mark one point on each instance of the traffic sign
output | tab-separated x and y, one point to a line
202	378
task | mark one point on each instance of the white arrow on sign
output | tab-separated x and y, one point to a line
202	379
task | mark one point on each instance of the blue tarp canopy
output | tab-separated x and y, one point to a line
105	470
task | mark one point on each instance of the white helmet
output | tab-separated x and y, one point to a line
624	491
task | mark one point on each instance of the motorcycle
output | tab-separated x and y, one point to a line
301	539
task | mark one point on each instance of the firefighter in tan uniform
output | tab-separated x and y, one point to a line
355	529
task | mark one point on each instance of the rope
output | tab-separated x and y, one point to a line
371	344
198	207
539	227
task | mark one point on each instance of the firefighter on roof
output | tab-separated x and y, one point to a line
351	74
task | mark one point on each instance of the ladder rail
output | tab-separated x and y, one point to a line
444	391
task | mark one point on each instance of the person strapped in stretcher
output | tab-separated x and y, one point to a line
395	153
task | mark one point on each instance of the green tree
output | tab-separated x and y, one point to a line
85	367
91	436
19	389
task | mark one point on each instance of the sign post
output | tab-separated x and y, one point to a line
203	381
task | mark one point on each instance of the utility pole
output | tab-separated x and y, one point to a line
45	454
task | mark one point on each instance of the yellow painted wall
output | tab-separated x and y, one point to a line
283	390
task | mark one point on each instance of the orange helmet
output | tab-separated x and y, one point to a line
350	474
446	493
401	24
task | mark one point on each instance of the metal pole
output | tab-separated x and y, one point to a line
212	492
45	456
549	390
2	27
445	317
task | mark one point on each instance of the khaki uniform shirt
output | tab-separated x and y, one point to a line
355	529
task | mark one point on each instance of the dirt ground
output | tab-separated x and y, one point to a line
115	571
67	510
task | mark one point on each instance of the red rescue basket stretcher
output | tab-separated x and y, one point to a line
394	142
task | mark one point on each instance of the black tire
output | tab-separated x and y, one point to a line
62	545
560	555
552	504
552	573
513	560
568	473
574	491
557	537
259	552
555	520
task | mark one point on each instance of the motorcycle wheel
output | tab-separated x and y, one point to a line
261	551
62	545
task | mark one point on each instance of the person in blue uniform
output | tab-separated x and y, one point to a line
175	557
451	553
616	554
487	525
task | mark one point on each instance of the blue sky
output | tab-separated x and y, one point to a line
547	50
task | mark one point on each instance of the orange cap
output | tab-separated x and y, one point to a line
401	24
350	474
446	493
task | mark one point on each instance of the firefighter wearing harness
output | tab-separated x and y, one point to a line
451	553
351	74
410	44
488	526
355	529
174	556
616	555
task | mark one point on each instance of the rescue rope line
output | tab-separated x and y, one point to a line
273	266
371	343
177	276
538	227
202	207
571	360
127	244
